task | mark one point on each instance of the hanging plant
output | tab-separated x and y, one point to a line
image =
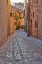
16	17
11	14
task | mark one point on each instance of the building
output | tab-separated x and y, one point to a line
22	19
3	21
19	5
34	18
25	14
6	21
31	18
18	13
10	19
40	19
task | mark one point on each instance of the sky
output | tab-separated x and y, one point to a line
13	1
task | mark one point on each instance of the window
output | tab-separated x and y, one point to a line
35	24
31	20
31	23
33	14
36	1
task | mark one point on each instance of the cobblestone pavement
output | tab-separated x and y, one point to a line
20	49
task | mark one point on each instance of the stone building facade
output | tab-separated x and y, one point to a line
3	21
40	19
22	19
18	13
19	5
31	17
10	18
25	14
34	18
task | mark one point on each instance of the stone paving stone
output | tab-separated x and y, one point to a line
41	62
0	60
37	55
37	62
8	63
18	50
29	63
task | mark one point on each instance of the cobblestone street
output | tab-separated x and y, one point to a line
20	49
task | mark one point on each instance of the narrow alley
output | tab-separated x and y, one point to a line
20	49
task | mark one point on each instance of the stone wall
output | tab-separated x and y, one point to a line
40	19
33	19
10	19
3	21
25	15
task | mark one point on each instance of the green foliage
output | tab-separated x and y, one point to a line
11	14
26	29
21	17
18	26
17	17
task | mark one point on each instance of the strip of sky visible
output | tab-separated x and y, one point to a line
16	1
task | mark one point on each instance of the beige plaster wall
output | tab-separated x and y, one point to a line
3	21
